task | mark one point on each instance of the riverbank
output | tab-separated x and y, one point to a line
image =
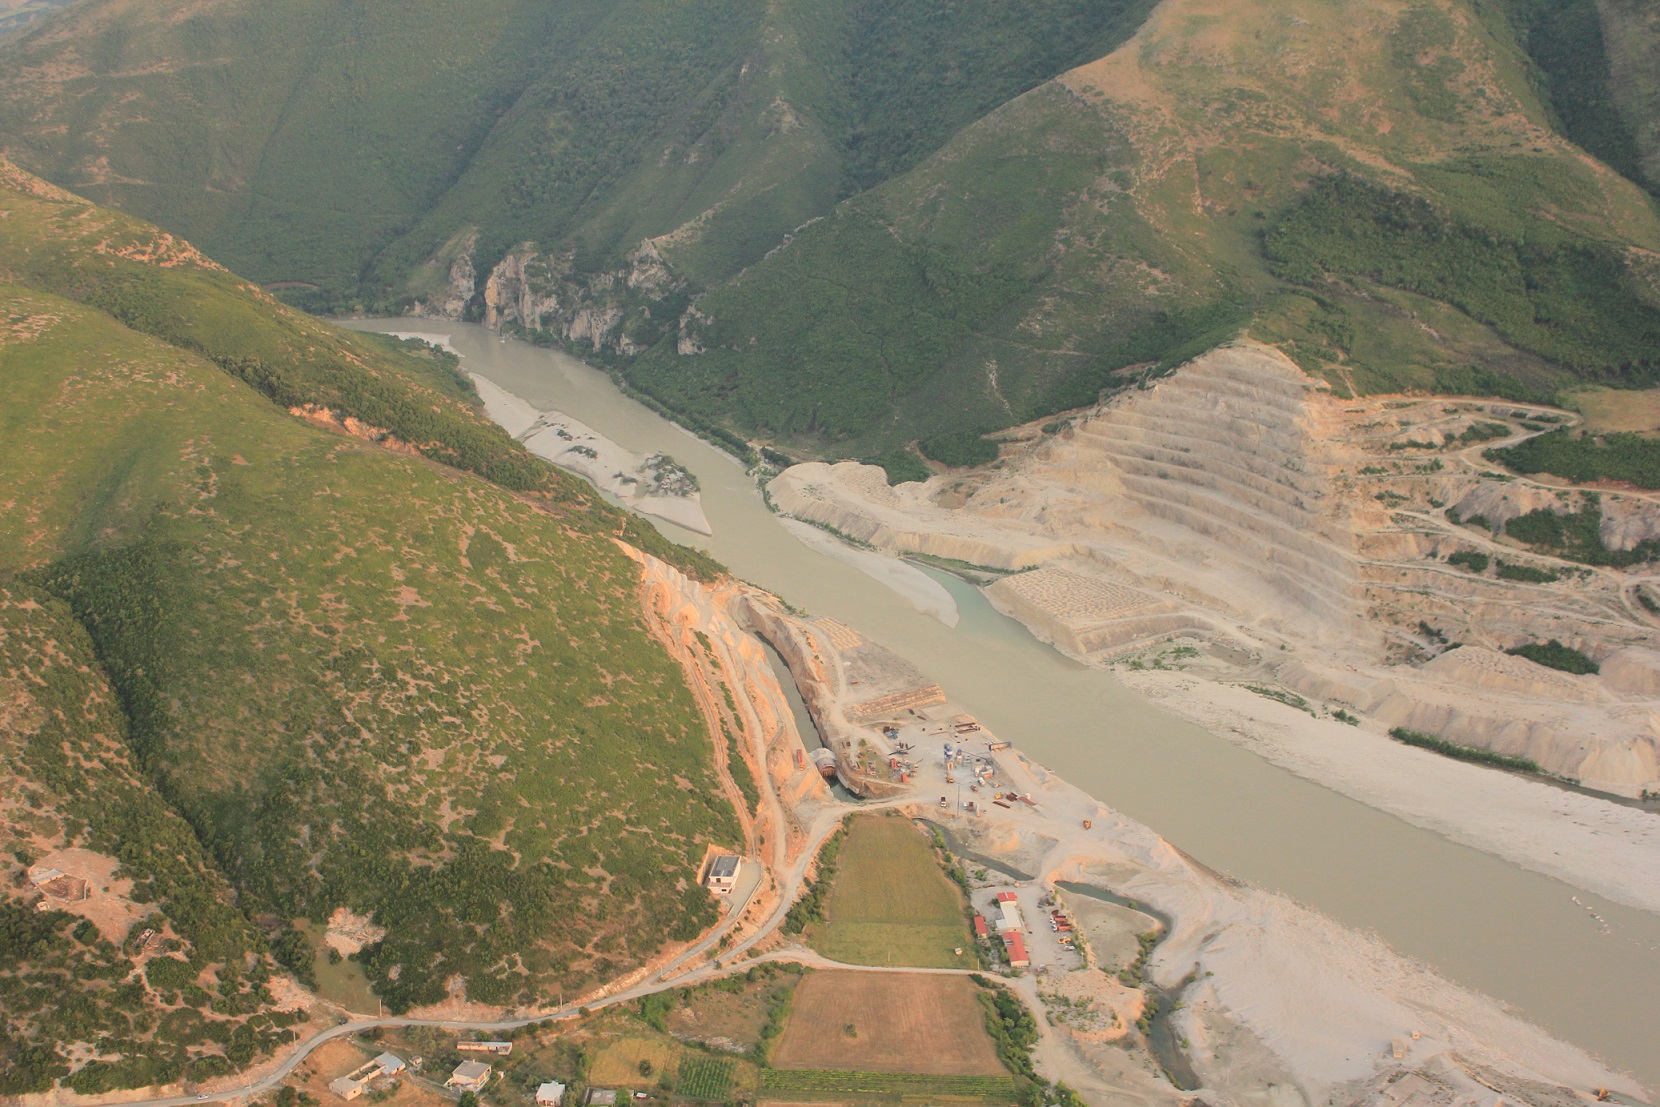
1479	920
1274	994
1607	848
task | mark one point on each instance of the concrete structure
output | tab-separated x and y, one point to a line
1010	912
390	1064
551	1094
469	1076
500	1049
602	1097
723	874
347	1088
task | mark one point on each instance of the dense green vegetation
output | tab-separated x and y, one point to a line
1526	574
1554	655
365	677
1572	301
341	169
1577	536
809	907
70	783
1582	458
959	449
1564	38
1473	560
1462	753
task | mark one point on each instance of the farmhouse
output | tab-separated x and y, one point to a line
551	1094
469	1076
500	1049
346	1088
353	1084
723	874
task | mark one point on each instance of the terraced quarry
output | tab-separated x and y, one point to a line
1339	549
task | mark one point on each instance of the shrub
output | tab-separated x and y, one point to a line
1554	655
1463	753
1473	560
960	449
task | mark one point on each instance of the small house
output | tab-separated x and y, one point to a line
980	928
723	874
551	1094
1017	949
347	1088
469	1076
389	1064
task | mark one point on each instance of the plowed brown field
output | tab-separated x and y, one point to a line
901	1022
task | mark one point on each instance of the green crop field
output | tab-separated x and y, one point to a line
891	904
705	1079
892	1086
401	670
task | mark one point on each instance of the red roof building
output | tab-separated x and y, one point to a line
1007	897
1017	949
980	929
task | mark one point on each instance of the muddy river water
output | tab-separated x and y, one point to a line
1480	920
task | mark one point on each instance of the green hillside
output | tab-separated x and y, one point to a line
363	673
1180	191
185	1003
846	227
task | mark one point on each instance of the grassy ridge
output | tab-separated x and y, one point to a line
364	677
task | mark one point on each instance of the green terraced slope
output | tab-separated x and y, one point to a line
343	670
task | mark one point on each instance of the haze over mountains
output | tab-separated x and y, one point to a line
843	227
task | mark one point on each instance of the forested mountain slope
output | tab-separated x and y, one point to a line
340	147
843	227
1375	187
401	670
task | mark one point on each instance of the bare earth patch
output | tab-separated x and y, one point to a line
900	1022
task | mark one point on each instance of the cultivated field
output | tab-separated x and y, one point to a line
888	1023
891	904
619	1063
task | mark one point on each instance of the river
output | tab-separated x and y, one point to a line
1481	921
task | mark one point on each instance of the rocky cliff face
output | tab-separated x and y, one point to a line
531	291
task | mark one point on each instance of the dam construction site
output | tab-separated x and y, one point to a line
1152	977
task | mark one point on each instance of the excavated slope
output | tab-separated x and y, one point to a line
1240	503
